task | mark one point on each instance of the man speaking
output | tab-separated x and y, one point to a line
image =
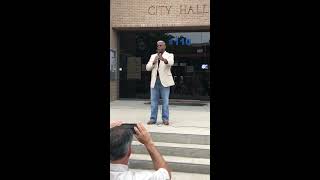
161	80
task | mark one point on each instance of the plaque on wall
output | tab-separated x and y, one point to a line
113	64
134	68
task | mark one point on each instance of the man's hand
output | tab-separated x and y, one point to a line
115	123
155	59
142	134
144	137
163	59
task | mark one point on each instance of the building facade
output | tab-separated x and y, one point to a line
136	26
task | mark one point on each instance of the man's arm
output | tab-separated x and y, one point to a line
151	63
144	137
157	159
169	61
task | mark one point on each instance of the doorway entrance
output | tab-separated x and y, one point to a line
191	69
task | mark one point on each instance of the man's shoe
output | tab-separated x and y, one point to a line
151	122
166	123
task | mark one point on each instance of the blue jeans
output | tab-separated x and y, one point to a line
155	98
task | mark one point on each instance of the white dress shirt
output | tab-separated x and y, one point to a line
122	172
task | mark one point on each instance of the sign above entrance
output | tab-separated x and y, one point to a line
180	9
182	41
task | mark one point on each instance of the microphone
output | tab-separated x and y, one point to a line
159	53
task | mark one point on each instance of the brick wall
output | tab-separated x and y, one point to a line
155	14
114	90
114	85
165	13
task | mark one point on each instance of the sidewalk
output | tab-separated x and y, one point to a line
183	119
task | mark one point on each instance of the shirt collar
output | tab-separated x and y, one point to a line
118	167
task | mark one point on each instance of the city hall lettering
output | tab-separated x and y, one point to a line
183	9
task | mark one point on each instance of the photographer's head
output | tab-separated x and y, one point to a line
120	145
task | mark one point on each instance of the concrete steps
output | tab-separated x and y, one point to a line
181	138
184	143
186	153
177	164
175	149
181	102
184	176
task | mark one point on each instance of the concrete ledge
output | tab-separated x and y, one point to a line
183	176
180	138
175	149
179	164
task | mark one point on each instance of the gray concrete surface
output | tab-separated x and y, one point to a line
183	119
185	143
184	176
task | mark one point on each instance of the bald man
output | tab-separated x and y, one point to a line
161	80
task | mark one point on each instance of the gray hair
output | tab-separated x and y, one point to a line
120	141
161	42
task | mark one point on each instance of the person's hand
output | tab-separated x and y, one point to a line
163	59
160	57
155	59
115	123
142	135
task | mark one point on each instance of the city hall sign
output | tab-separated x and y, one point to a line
182	9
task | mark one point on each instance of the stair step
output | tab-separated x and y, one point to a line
183	176
180	138
178	164
175	149
183	103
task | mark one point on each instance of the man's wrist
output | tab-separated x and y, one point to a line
149	144
165	61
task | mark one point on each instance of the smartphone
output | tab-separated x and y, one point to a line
129	126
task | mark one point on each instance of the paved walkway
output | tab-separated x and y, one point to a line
183	119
